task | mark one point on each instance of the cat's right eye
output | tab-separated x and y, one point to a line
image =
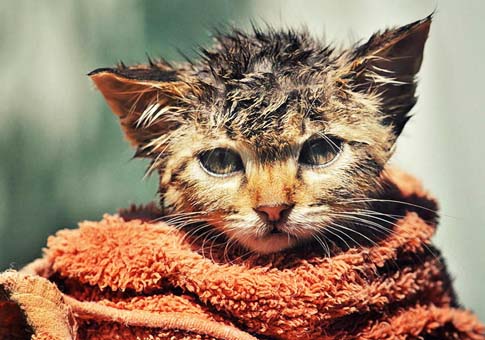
221	162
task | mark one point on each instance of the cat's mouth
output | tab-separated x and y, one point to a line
269	237
285	228
275	231
273	239
275	228
271	242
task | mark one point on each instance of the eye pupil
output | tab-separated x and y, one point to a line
320	151
221	161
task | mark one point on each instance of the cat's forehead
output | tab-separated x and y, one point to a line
271	120
266	125
271	114
259	111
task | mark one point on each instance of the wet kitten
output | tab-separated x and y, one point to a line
272	138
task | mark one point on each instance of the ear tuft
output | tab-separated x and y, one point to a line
150	61
121	65
386	65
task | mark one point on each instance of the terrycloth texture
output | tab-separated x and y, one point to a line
127	278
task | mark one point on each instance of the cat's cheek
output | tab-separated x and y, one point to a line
217	192
173	197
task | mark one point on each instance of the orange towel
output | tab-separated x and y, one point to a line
125	277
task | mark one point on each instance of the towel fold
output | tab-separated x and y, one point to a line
128	277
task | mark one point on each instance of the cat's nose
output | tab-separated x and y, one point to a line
273	213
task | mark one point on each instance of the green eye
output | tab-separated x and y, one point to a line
220	162
320	151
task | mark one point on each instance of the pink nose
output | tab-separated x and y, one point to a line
273	213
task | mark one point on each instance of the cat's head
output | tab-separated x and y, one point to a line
272	137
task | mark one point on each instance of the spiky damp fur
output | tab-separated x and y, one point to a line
263	94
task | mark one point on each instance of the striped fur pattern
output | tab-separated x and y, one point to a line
263	94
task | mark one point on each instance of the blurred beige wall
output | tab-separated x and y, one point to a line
62	157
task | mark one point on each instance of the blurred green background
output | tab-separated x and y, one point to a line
63	158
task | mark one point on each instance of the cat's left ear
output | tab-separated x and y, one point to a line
386	66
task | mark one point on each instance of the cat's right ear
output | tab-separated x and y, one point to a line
148	103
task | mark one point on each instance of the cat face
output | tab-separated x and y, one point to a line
272	138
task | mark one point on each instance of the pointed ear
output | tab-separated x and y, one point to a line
148	101
387	64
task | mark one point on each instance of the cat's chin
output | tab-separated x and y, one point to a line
271	243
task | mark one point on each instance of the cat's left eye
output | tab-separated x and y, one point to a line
320	151
221	162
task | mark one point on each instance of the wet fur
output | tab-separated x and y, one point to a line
263	94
